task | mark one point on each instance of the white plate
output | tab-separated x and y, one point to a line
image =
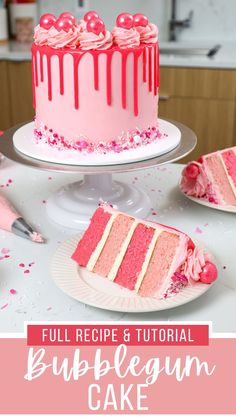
205	203
89	288
24	142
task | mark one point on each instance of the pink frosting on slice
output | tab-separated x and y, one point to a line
63	39
195	262
194	186
148	34
89	40
126	38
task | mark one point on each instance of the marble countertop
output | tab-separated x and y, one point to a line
36	297
225	58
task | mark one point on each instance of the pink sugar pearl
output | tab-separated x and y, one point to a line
91	15
64	24
69	16
192	171
140	20
125	21
47	21
96	26
209	273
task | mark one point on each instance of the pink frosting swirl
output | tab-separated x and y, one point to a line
148	34
126	38
194	186
89	40
195	262
40	36
63	39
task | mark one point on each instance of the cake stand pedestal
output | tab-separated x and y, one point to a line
73	205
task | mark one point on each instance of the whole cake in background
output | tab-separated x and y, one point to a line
95	90
149	258
212	177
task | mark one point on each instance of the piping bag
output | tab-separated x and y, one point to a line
11	221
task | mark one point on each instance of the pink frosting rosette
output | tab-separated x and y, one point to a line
194	264
148	34
62	39
90	40
126	38
40	36
194	181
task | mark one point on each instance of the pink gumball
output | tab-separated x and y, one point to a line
192	171
140	20
47	21
91	15
64	24
125	21
209	273
96	26
69	16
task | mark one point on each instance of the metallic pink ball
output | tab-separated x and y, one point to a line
209	273
47	21
69	16
64	24
140	20
91	15
96	26
125	21
192	171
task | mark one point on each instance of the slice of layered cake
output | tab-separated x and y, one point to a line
213	177
149	258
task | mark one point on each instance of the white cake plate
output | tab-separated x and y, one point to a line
23	140
90	288
205	203
73	205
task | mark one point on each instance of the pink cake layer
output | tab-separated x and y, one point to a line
132	263
159	266
220	178
91	237
118	233
229	158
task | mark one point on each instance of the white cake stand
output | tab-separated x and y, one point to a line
72	205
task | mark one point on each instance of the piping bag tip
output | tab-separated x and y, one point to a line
23	229
36	237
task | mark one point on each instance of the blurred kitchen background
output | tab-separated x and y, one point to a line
198	59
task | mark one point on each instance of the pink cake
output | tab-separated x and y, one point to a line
95	90
212	178
149	258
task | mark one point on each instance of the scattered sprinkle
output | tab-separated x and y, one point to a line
21	265
13	292
154	213
44	202
5	251
198	231
224	267
49	308
26	271
4	306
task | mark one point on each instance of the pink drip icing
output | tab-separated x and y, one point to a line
76	79
144	51
49	70
61	70
124	79
144	65
109	61
41	68
150	69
